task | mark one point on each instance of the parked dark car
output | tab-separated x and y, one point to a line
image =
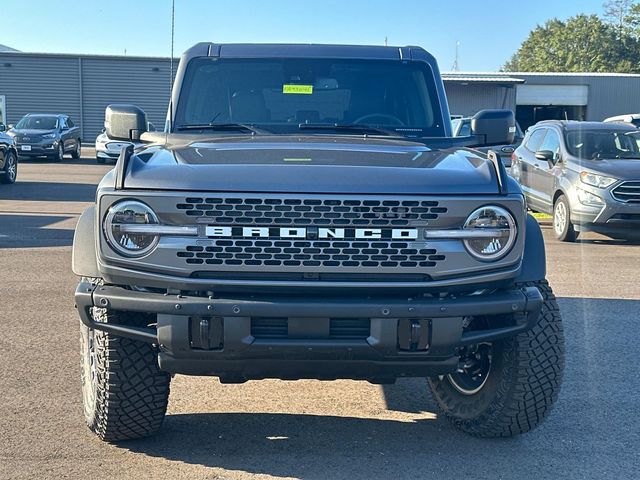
8	157
462	128
46	135
586	174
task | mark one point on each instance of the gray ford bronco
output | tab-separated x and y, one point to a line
306	213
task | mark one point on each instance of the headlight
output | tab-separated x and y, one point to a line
122	234
596	180
492	233
49	135
588	198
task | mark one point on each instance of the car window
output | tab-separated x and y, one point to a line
62	123
610	144
535	139
286	92
70	123
551	142
38	123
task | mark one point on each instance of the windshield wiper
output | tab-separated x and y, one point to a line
220	126
348	127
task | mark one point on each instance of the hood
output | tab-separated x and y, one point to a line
32	131
311	165
621	169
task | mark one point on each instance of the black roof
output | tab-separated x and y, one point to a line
311	50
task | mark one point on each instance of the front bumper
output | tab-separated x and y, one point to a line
107	154
46	148
216	336
613	217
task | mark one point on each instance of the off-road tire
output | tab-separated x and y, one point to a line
568	233
76	151
126	397
522	385
10	171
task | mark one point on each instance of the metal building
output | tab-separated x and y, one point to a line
543	96
82	86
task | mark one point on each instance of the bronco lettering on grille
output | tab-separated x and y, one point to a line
320	233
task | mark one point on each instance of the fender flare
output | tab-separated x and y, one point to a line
84	256
534	258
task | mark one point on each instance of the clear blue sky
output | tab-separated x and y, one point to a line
489	31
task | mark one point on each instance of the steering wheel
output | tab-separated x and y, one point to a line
395	120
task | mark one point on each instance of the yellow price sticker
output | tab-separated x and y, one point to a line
298	89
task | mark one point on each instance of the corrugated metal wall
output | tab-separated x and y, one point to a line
39	85
608	95
467	98
51	84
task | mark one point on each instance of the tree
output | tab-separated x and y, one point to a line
633	20
618	14
583	43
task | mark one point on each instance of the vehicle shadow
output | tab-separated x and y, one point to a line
49	191
592	415
26	231
83	160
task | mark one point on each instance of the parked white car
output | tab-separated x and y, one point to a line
632	118
109	149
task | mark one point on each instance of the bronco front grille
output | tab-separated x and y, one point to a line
628	192
310	253
252	211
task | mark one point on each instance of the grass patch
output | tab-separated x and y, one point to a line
541	216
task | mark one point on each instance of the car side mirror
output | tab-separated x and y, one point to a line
125	122
546	156
494	127
2	127
10	126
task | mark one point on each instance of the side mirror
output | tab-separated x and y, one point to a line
125	122
10	126
546	156
494	127
2	127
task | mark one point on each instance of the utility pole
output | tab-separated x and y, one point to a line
386	43
456	66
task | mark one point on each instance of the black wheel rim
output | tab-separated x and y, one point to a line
474	369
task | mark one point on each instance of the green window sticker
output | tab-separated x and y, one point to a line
298	89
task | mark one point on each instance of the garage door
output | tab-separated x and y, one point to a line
551	95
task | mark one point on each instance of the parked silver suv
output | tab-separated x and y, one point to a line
586	174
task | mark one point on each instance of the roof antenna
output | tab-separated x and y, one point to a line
173	23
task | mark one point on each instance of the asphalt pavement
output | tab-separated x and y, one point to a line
303	429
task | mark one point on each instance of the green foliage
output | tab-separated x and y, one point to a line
583	43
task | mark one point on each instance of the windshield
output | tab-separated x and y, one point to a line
38	123
281	94
594	144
